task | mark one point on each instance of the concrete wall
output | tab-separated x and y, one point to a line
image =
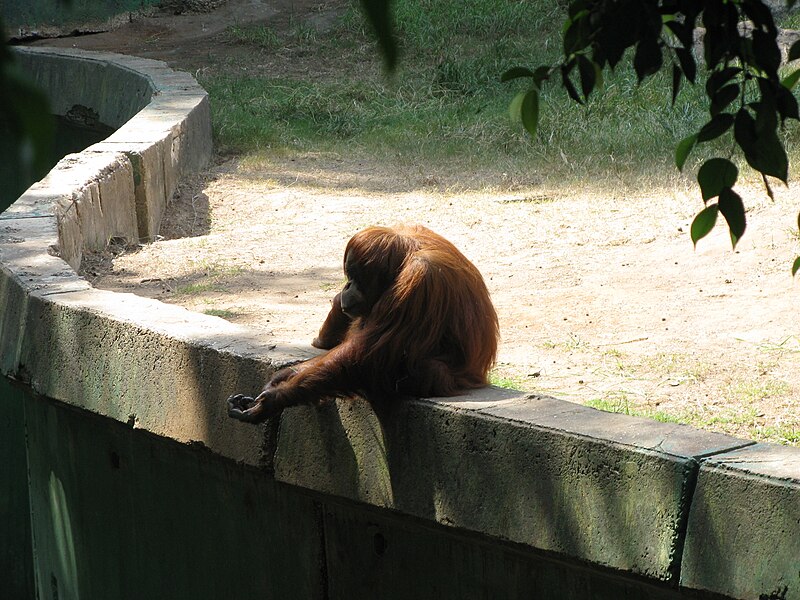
660	510
120	187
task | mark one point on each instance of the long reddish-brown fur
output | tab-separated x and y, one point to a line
433	330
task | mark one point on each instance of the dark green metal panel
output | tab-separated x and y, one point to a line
16	557
121	514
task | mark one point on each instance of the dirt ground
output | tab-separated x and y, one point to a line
601	299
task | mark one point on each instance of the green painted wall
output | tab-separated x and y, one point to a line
16	558
121	514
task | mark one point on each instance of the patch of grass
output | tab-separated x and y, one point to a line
734	420
254	35
446	101
329	287
503	381
194	289
674	364
750	391
572	343
220	312
783	434
620	403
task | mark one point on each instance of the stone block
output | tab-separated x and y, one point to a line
94	200
743	537
149	173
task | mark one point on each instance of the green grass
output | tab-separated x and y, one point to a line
219	312
619	403
509	383
194	289
253	35
446	101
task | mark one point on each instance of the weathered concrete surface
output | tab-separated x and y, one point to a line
382	555
153	365
743	538
604	488
95	212
73	77
164	130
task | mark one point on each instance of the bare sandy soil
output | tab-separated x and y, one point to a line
601	298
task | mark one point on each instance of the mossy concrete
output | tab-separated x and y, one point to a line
605	488
163	131
743	538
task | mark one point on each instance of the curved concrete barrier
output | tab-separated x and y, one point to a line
641	503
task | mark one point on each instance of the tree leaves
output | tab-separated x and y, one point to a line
524	108
732	208
703	223
529	111
715	176
515	73
683	149
744	89
761	146
379	15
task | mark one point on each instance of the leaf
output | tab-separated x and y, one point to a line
567	83
718	125
791	79
515	73
379	16
795	266
541	74
766	51
688	63
31	120
767	187
683	149
732	208
719	78
762	150
723	97
588	73
577	34
647	59
529	111
703	223
676	82
681	31
786	104
794	51
515	107
760	15
716	175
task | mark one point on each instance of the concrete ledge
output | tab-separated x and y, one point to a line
743	538
605	488
163	131
683	509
